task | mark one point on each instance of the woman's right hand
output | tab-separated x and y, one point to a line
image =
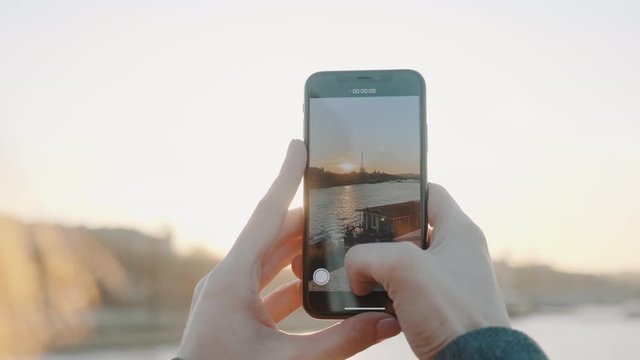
440	293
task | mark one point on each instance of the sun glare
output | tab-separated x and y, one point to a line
346	166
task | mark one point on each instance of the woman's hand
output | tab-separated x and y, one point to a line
228	317
440	293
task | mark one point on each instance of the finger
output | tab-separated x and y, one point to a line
285	249
390	264
291	228
282	257
350	337
264	226
440	204
445	216
197	293
284	300
450	224
296	266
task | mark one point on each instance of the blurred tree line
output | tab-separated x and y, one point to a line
64	287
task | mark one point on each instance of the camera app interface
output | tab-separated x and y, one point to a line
363	180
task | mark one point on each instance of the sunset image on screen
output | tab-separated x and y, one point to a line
363	178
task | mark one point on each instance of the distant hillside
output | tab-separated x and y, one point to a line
109	287
64	286
538	286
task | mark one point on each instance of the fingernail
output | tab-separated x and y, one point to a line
387	327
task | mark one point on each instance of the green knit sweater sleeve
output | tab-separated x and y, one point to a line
492	343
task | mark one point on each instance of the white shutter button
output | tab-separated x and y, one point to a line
321	276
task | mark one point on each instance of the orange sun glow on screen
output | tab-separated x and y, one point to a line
346	166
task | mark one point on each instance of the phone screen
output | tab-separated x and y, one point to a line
363	185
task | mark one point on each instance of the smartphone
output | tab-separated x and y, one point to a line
365	180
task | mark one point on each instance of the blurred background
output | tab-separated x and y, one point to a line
137	136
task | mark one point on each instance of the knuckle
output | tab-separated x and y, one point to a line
473	230
405	254
403	265
200	286
462	227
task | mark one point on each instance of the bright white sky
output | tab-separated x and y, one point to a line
158	114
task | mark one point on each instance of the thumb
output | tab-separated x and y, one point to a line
393	265
351	336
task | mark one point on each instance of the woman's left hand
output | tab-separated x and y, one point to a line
228	317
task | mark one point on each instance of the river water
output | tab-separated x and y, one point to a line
333	208
593	332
